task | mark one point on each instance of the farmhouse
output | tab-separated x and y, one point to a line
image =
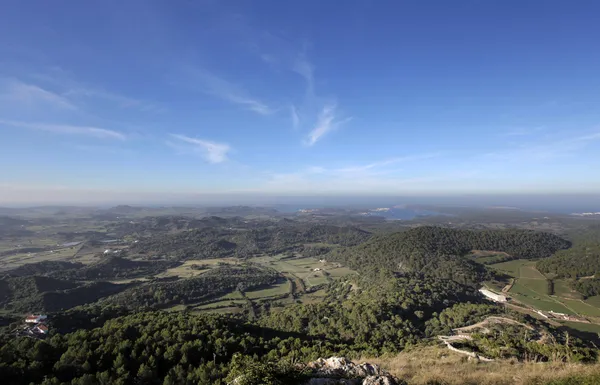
35	319
493	296
41	329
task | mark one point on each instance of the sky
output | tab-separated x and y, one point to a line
124	100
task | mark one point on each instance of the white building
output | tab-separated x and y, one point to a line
493	296
35	319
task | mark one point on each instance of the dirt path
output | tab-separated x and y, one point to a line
491	320
507	288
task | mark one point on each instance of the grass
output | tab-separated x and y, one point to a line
17	260
562	289
528	270
531	289
594	301
271	291
538	300
511	267
185	270
303	268
584	327
218	304
337	272
233	295
581	307
315	279
539	286
437	366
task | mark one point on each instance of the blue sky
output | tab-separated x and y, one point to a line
113	99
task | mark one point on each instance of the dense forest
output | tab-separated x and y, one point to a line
441	252
108	347
373	317
582	260
587	287
215	282
226	242
107	268
46	294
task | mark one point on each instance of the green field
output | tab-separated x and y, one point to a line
531	288
594	301
271	291
584	327
540	286
185	270
304	268
581	307
511	267
219	304
562	289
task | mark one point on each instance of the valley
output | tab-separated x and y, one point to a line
312	284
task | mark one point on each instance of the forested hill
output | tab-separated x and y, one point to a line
216	243
211	284
581	260
441	251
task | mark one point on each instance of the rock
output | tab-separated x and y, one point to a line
379	380
333	381
342	367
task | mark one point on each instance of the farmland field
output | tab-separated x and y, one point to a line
594	301
592	328
510	267
562	289
581	307
531	288
186	269
271	291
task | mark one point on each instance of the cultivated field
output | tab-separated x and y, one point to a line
531	288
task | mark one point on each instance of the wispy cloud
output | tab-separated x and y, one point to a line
544	151
213	152
18	91
120	100
304	68
523	131
326	122
100	133
387	162
227	91
295	117
79	92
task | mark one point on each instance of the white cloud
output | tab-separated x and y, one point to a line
96	132
295	116
326	122
387	162
17	91
213	152
119	100
227	91
304	68
544	151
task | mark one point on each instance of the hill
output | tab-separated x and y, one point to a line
46	294
216	282
179	348
225	242
581	260
43	268
441	252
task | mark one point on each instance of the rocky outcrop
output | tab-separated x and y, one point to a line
341	371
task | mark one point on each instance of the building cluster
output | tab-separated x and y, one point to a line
35	326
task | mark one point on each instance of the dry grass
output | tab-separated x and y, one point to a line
435	365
